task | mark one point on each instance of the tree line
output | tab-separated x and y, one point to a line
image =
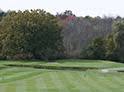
37	34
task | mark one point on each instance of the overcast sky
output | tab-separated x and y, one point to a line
79	7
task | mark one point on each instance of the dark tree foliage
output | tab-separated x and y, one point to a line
30	34
118	36
65	14
110	47
96	50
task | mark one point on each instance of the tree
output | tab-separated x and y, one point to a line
79	32
110	47
66	14
2	13
118	37
33	33
96	50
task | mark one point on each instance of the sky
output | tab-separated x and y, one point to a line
79	7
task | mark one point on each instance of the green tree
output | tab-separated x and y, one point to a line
96	50
118	36
33	33
110	47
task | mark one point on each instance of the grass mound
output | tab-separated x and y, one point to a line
52	67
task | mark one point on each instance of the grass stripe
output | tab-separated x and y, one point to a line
57	82
65	81
89	82
11	87
40	84
31	85
2	88
101	81
19	76
119	79
50	87
109	82
81	84
74	81
119	82
20	86
93	83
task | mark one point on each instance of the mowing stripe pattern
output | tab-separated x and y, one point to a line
38	80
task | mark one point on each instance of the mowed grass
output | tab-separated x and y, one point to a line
24	79
68	63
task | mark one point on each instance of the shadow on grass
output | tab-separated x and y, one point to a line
3	67
53	67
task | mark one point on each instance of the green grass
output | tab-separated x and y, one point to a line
69	63
22	79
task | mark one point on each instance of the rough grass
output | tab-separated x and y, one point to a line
22	79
